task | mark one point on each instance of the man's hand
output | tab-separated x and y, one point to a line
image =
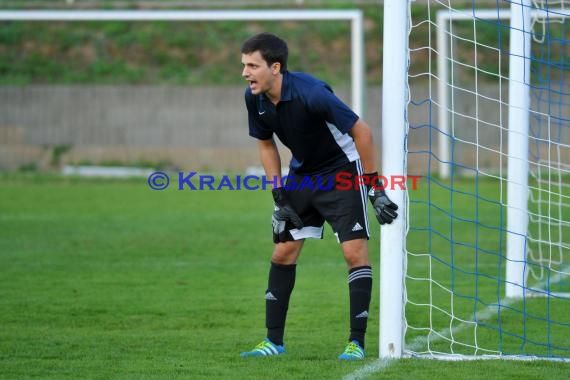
384	208
283	213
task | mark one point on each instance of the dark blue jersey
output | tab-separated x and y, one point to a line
309	120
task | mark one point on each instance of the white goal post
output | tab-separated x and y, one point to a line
392	237
353	15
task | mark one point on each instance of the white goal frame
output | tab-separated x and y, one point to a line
353	15
396	99
395	96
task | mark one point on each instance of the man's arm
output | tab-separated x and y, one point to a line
364	141
270	159
384	208
282	212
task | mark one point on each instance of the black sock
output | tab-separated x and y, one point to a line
360	289
280	285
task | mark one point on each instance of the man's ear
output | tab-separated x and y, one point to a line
275	68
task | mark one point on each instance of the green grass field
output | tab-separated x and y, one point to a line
109	279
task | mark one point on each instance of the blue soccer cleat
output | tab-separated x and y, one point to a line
265	348
353	351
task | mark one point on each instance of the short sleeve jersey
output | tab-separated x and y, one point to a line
309	119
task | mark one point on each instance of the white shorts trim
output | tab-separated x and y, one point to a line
307	232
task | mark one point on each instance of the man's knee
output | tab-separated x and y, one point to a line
287	253
356	252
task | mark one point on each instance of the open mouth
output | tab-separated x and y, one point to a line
253	85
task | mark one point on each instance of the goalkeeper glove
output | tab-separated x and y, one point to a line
283	213
384	208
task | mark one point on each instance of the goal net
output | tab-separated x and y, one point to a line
486	255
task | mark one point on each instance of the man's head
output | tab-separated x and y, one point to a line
264	59
271	48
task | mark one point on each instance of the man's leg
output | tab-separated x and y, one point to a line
280	283
345	211
279	288
360	289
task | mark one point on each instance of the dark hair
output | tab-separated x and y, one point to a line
272	48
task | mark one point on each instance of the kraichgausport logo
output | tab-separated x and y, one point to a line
340	181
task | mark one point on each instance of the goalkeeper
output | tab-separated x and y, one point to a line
325	138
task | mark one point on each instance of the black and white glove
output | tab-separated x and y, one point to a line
384	208
283	213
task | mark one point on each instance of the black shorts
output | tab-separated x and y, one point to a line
334	197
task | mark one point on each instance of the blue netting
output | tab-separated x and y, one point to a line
456	242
